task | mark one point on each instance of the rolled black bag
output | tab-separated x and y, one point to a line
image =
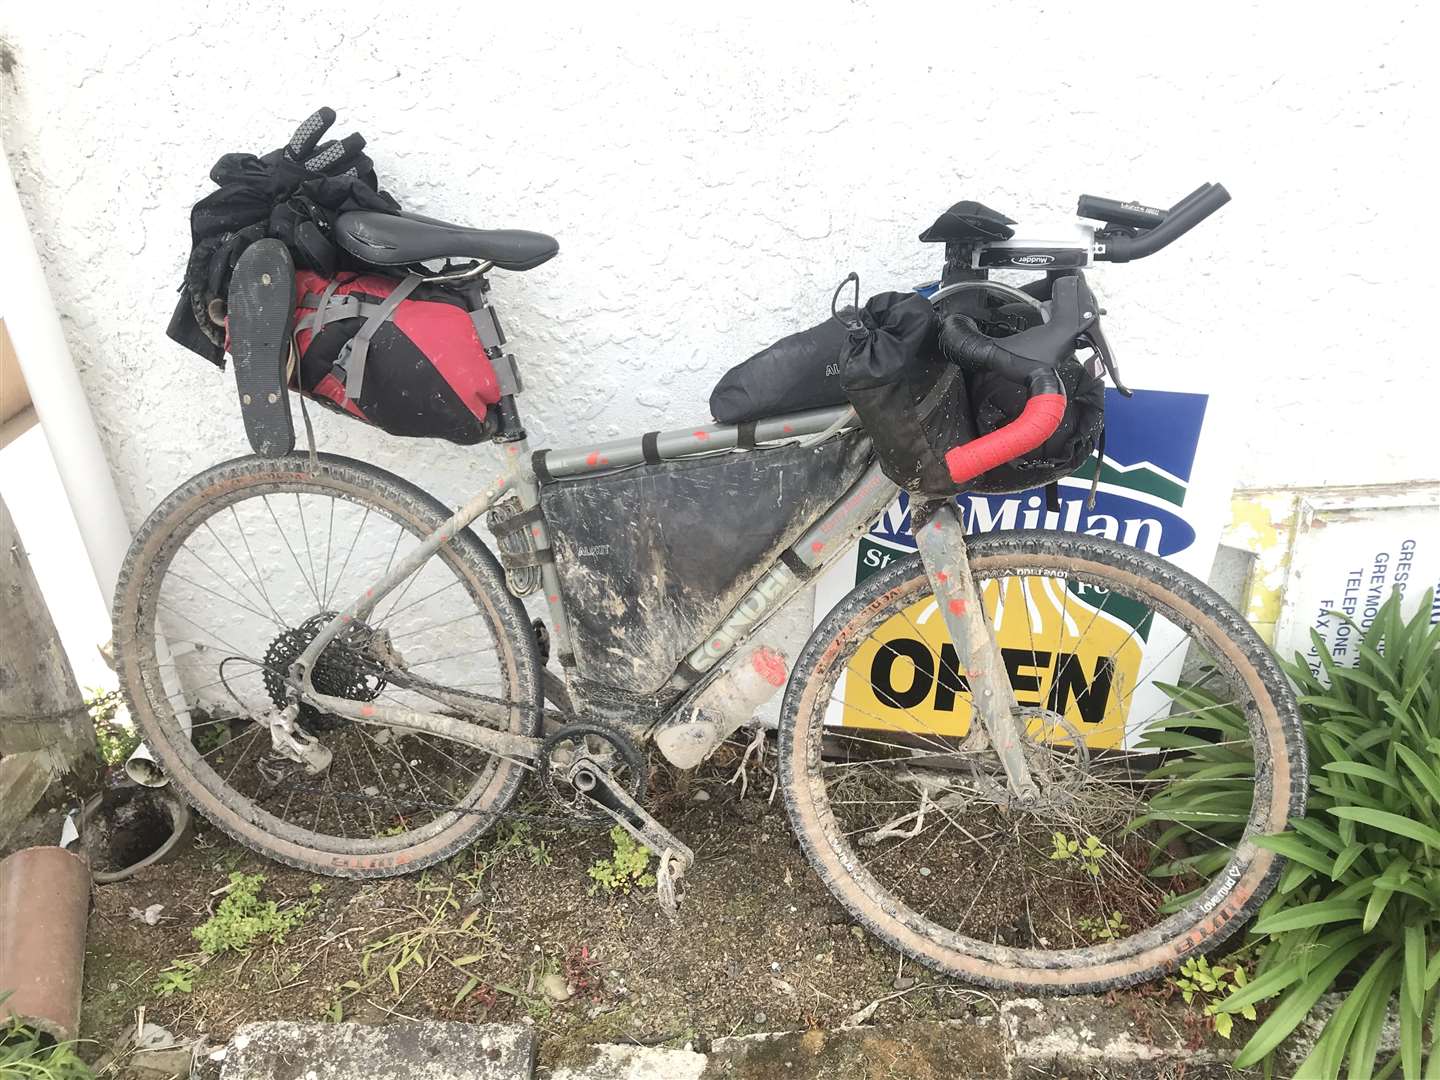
798	372
887	373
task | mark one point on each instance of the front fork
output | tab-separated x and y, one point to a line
940	538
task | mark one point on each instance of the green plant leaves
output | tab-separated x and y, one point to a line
1362	888
1297	1003
1297	850
1412	999
1316	914
1383	819
1329	1051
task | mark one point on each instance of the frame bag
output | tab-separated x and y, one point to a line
395	354
651	558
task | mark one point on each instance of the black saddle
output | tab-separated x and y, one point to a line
401	239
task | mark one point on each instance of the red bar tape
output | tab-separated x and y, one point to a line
1036	423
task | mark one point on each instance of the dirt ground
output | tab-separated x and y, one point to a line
759	945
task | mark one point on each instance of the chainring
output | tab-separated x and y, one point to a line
622	759
342	670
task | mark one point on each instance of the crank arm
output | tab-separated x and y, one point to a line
940	538
592	780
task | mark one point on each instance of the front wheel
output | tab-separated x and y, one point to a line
1163	734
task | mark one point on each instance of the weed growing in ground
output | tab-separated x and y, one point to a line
403	958
1203	983
625	869
208	736
114	741
243	920
177	978
1111	928
511	838
532	998
1089	853
538	853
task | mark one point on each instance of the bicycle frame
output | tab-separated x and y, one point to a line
937	527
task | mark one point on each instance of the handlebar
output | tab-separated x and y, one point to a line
1132	231
1028	431
1113	212
1172	224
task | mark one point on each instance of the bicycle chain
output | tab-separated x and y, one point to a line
549	820
402	805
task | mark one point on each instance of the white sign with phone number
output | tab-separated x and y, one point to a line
1351	553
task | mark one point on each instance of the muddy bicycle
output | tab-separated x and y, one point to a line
339	672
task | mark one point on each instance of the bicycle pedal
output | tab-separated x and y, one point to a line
261	319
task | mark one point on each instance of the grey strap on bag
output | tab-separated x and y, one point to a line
316	322
354	363
331	308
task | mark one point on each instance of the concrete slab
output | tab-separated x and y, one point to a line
422	1050
618	1062
1081	1032
916	1050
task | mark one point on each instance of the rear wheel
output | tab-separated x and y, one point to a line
1163	734
224	586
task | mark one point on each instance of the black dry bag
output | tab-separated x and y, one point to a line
886	371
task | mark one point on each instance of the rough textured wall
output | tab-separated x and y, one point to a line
711	173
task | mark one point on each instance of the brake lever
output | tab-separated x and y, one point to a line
1094	337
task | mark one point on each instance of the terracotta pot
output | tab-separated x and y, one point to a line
44	901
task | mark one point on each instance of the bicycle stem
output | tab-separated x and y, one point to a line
940	536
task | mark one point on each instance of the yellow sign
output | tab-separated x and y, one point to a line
1067	650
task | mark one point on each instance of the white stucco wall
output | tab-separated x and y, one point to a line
712	172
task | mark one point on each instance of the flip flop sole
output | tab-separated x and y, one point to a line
262	318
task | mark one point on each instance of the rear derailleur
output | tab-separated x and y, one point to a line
596	773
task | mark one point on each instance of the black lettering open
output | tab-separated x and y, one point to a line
1091	696
882	670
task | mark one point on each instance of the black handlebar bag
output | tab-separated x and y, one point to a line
997	400
891	372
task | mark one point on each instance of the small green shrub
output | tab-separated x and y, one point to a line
1358	906
1111	928
625	869
243	920
1205	984
114	741
177	978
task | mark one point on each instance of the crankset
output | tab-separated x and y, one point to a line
597	773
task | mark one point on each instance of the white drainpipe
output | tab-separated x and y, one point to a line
63	409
